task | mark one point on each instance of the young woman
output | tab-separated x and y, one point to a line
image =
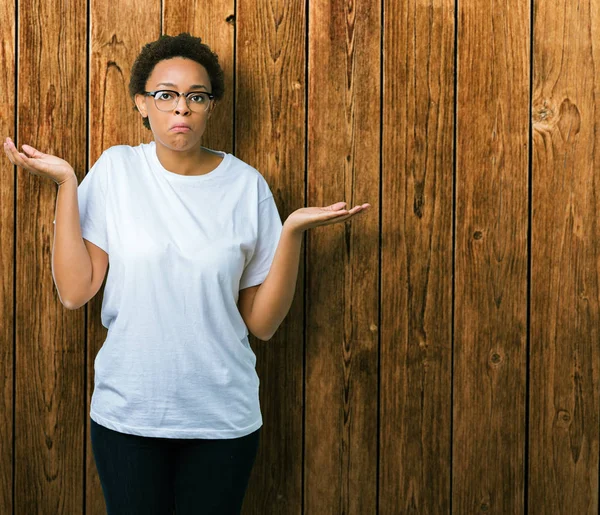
198	259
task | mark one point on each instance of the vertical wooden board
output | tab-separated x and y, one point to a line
269	135
49	433
115	43
416	271
563	468
214	22
7	239
491	257
342	270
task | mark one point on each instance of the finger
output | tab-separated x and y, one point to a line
336	206
13	154
20	159
335	214
8	153
19	156
32	151
17	153
10	146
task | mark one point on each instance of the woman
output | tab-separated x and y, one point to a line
199	258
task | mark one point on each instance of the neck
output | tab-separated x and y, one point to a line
183	162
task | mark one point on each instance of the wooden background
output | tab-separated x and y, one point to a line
441	355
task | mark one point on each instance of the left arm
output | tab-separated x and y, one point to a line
264	307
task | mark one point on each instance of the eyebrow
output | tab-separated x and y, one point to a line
193	86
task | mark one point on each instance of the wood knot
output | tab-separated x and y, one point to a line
563	418
569	120
543	113
495	358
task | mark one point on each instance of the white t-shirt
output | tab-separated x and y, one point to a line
176	362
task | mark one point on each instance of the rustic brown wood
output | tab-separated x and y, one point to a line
119	30
342	259
214	22
269	135
416	268
563	443
433	454
7	248
491	258
49	395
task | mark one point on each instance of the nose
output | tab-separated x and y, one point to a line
182	109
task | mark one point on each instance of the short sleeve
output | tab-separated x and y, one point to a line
268	234
91	197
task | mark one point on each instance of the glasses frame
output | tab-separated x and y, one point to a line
176	100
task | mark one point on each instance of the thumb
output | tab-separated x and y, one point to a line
32	152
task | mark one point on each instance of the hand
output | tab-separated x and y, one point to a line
309	217
38	163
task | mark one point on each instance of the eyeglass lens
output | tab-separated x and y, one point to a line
167	100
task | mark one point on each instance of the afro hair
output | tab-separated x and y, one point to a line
167	47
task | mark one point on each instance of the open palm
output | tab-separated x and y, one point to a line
309	217
38	163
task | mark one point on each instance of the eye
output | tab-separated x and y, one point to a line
197	98
164	95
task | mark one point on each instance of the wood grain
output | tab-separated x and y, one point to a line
563	467
7	249
342	259
115	43
416	268
488	447
269	135
214	22
385	410
50	352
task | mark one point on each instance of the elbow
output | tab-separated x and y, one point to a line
261	334
70	305
265	336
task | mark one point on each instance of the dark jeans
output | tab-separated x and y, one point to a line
154	476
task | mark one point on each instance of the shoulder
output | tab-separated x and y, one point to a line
244	168
123	151
253	176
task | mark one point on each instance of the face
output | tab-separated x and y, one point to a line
181	75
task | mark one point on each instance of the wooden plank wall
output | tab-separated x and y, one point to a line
441	354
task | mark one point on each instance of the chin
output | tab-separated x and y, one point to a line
176	142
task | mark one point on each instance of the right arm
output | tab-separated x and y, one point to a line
78	266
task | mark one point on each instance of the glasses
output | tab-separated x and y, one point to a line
167	100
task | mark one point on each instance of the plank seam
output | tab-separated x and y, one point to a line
15	136
306	71
453	287
381	130
87	159
233	76
529	235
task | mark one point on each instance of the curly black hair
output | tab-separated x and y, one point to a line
167	47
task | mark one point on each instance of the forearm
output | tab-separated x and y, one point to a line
274	297
71	263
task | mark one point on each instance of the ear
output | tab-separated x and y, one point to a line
211	108
140	102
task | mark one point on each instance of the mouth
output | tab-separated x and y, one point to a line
180	127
